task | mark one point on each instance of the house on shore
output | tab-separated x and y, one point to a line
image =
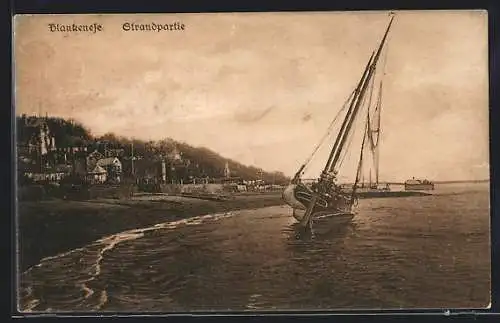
95	168
98	175
91	160
113	168
51	175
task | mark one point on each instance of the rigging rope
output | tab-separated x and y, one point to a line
329	130
374	145
368	126
360	163
368	130
374	141
351	136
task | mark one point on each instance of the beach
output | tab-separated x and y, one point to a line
47	228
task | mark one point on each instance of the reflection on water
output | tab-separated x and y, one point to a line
404	252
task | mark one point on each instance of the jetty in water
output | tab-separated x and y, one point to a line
382	194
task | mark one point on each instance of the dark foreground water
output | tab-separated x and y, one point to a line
414	252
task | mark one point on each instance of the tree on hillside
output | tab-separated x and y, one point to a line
67	133
197	161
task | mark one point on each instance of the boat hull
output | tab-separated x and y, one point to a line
336	209
325	217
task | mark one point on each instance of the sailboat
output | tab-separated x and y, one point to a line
326	197
373	188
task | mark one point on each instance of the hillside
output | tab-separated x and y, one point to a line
200	161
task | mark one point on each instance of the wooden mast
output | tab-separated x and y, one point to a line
359	101
348	115
377	147
346	126
306	220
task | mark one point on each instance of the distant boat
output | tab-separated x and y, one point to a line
327	198
419	185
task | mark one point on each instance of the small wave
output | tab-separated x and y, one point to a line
103	299
103	246
110	242
46	259
88	292
253	302
32	303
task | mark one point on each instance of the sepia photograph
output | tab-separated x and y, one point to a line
263	161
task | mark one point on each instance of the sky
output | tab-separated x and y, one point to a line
262	88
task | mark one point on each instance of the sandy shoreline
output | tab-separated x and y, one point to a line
47	228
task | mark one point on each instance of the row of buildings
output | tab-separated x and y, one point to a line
40	159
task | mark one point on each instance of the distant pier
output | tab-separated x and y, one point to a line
382	194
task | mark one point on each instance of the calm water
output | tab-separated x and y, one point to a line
416	252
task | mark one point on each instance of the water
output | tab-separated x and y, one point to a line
413	252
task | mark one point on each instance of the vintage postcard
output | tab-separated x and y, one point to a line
252	161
